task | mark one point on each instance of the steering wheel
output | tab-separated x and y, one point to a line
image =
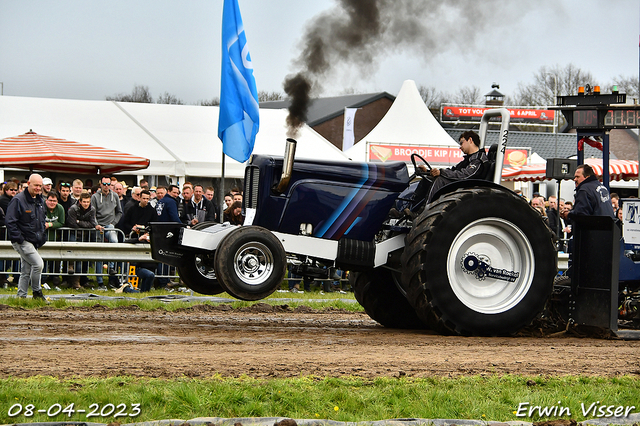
417	170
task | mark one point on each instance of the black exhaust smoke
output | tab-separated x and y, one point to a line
328	39
298	89
358	32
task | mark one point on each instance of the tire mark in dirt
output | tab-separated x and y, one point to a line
202	342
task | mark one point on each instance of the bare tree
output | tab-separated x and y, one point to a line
210	102
432	97
264	96
628	85
139	94
167	98
509	100
468	95
543	89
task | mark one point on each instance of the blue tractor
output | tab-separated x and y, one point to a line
477	260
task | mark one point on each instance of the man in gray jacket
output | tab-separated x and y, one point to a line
108	214
25	221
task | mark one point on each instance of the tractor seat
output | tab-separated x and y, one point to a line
491	164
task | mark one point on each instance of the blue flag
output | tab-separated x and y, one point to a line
239	114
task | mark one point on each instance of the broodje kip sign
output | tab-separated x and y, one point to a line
436	155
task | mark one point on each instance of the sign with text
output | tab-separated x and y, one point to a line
472	114
436	155
631	220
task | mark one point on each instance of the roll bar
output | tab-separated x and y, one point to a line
504	135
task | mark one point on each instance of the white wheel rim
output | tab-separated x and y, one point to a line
253	263
501	245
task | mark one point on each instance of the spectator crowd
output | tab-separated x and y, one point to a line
112	212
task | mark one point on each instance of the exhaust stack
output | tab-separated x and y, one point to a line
287	165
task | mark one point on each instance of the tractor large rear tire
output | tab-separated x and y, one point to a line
376	291
199	275
479	261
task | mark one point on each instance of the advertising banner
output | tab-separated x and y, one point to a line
348	135
436	155
472	114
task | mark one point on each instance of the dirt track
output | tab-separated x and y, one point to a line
206	340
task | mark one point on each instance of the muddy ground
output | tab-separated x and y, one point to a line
265	342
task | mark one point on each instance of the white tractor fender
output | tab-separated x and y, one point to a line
206	239
209	239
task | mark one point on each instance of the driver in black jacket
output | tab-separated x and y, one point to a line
470	167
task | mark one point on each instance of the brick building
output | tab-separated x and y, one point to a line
326	115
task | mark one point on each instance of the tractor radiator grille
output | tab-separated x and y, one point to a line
251	181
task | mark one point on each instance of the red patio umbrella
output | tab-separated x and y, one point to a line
618	170
38	152
531	173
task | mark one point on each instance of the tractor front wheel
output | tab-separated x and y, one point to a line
250	263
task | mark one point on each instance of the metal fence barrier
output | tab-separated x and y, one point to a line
88	254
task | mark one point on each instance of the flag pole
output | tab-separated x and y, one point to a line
239	118
221	193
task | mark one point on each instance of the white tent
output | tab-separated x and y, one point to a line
99	123
408	122
536	159
179	140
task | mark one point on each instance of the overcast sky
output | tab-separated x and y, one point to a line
89	49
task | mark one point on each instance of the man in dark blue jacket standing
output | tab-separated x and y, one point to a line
167	208
25	221
592	198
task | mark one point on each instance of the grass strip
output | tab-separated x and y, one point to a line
311	299
490	398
